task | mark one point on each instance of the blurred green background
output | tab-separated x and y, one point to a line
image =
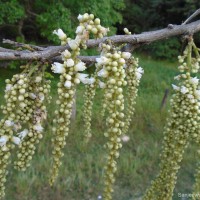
81	175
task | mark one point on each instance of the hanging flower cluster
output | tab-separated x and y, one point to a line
112	72
88	102
133	75
21	94
182	125
69	78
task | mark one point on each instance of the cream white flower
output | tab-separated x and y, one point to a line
80	66
125	138
80	18
41	96
89	80
23	134
16	140
82	77
102	84
66	54
190	96
104	30
102	73
38	127
102	60
61	35
8	87
175	87
57	68
68	84
177	77
138	72
69	62
9	123
73	44
197	94
17	126
80	29
126	55
3	140
184	90
38	79
194	81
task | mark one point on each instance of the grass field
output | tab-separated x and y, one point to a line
82	170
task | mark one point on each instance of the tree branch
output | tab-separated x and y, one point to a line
133	41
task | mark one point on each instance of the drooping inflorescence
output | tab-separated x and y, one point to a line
133	75
21	94
70	77
87	112
182	125
112	72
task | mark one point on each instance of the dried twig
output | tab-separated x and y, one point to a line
197	12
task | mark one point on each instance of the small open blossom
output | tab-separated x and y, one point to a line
66	54
80	18
8	87
126	55
197	94
102	84
82	77
190	96
70	62
9	123
61	35
57	68
80	29
90	80
38	128
104	30
184	90
175	87
23	134
16	140
138	72
3	140
177	77
73	44
38	79
41	96
102	60
102	73
68	84
194	81
80	66
125	138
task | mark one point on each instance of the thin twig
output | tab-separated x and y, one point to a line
26	46
197	12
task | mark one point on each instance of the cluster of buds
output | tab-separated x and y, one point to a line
88	103
182	126
111	64
19	93
39	94
70	77
133	75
